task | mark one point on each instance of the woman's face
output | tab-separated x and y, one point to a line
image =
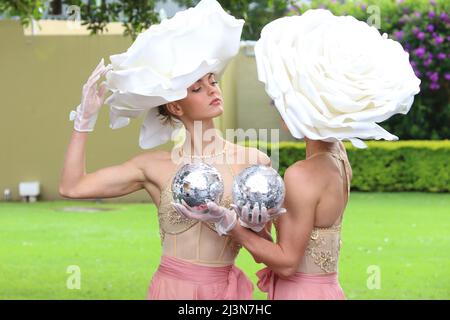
203	101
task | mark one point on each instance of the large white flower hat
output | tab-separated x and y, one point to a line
334	77
164	61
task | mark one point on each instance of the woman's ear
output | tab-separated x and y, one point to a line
175	109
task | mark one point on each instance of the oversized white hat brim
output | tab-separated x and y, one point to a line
164	61
334	77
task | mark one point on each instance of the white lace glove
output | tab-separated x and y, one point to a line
223	219
255	219
92	99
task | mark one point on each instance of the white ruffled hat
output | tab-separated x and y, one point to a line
164	61
334	77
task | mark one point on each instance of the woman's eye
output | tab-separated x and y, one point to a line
214	83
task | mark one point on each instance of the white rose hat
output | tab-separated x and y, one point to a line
164	61
334	77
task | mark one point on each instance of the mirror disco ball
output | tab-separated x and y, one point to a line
196	184
258	185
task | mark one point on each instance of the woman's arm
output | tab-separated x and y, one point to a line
294	227
108	182
266	232
104	183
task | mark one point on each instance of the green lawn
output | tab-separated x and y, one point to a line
405	235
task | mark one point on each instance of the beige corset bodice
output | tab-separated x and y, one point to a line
322	253
192	240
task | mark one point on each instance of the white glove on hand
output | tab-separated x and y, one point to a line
223	219
87	111
256	219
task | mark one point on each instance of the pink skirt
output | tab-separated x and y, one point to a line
300	286
176	279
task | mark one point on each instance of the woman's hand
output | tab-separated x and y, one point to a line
224	219
255	218
92	99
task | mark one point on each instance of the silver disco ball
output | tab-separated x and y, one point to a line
196	184
258	185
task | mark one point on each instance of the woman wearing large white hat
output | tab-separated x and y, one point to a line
169	75
331	79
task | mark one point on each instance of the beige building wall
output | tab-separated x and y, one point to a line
42	77
253	105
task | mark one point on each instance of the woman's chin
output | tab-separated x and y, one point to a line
217	111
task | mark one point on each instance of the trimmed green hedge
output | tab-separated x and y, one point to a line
386	165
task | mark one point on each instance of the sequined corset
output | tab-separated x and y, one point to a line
191	239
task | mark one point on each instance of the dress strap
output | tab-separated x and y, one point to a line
347	181
345	174
337	156
333	154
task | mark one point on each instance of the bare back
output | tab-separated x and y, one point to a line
317	194
333	175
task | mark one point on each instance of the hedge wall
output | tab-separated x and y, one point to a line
385	165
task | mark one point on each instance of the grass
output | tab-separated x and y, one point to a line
403	236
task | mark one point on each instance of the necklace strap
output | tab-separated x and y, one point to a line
207	156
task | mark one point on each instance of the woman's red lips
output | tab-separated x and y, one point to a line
216	101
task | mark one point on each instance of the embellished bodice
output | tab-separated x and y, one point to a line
171	222
193	240
322	252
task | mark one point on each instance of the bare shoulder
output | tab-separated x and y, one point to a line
298	172
152	165
252	155
262	157
142	160
303	177
302	193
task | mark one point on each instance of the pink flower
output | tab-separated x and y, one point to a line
434	86
419	52
398	35
438	39
434	77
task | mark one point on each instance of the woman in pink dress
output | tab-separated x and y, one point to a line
303	263
196	263
197	258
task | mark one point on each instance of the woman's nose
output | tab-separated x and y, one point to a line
212	89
